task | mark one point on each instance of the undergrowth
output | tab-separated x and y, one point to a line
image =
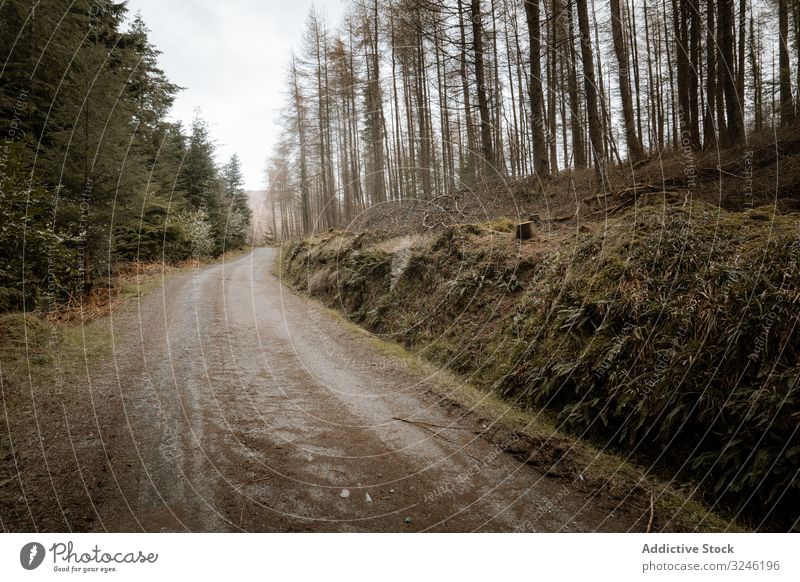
667	334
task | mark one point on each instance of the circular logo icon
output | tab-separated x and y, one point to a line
31	555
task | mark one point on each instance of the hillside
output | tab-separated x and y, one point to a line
666	333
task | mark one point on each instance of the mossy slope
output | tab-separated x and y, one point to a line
668	333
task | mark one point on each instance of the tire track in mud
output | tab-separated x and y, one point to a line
234	404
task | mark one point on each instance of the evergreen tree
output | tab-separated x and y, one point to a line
238	214
91	161
233	182
113	179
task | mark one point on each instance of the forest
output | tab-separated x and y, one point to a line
636	350
650	146
93	174
417	99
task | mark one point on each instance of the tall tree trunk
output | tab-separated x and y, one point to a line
497	98
797	49
709	135
590	88
578	145
740	54
602	93
522	135
470	128
635	151
487	150
784	66
537	122
398	137
694	67
722	78
513	141
755	66
552	141
652	90
297	97
425	140
323	146
680	17
444	114
634	48
733	106
672	92
376	179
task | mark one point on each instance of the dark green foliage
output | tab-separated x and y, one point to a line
92	172
238	213
26	212
671	335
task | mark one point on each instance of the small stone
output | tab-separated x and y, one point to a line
368	498
391	490
345	493
408	520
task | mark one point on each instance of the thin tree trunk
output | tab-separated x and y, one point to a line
297	97
784	66
709	135
694	66
672	92
444	114
541	167
681	30
578	145
489	160
424	138
740	54
590	88
376	175
733	107
635	151
634	48
513	141
471	137
755	65
497	98
722	120
551	84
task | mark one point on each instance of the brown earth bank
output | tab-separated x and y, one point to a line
225	402
666	332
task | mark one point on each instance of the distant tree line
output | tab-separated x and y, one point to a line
92	173
416	98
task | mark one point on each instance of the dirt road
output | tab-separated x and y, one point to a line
232	404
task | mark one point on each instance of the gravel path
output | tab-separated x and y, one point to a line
231	403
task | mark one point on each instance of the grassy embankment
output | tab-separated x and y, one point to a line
666	337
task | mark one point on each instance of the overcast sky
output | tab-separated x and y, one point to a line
231	58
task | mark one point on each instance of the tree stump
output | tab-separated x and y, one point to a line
525	230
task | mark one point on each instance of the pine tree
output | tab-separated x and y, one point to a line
233	182
91	162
